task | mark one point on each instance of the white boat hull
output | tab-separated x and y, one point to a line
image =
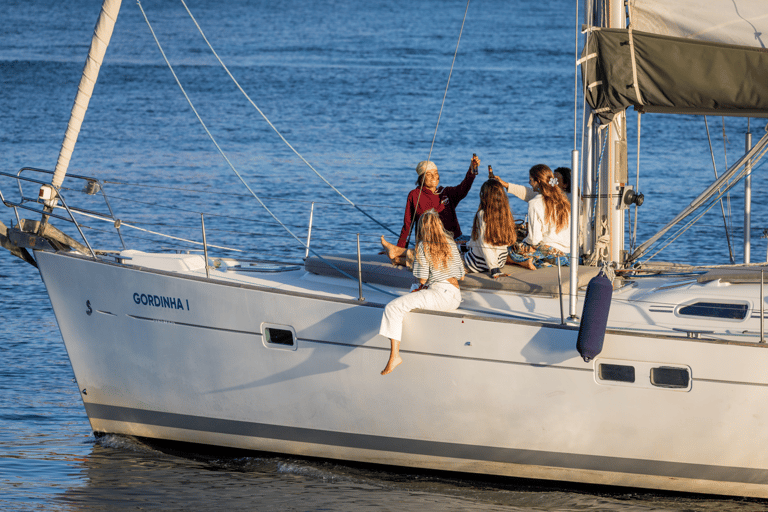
480	394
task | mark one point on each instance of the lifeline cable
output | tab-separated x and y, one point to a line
273	126
439	115
231	166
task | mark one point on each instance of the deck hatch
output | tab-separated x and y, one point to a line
617	372
716	310
669	377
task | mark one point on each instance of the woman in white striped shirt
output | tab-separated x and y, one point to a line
438	268
493	231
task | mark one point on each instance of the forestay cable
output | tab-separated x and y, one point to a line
445	94
231	166
273	126
439	115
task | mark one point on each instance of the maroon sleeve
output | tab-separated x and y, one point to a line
460	191
410	208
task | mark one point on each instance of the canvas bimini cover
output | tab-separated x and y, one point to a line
681	56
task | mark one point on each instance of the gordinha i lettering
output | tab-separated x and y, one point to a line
159	301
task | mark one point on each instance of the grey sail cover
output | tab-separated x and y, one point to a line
681	57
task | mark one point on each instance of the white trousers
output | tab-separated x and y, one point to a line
442	296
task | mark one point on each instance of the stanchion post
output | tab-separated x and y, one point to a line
573	283
205	247
359	270
309	229
748	201
762	309
560	288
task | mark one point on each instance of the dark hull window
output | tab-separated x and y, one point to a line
715	310
617	372
279	336
670	377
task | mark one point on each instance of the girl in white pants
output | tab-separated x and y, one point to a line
437	267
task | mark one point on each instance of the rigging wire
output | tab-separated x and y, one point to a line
273	126
586	125
228	194
178	82
633	238
725	163
576	83
439	115
695	219
445	94
722	207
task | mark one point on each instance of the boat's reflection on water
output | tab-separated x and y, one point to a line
125	473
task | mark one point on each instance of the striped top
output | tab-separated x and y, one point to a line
424	269
482	257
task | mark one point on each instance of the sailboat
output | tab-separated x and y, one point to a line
279	357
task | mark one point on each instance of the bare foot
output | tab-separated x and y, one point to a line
525	264
392	250
391	365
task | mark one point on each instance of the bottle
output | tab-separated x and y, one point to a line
490	173
475	161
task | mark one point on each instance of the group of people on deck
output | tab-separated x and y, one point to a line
443	254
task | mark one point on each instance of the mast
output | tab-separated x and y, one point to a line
102	33
616	165
663	61
605	167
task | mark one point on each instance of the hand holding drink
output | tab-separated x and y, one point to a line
474	164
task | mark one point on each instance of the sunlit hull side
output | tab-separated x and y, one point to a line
488	394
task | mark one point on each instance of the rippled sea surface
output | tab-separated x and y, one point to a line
356	88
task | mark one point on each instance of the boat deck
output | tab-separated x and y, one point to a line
377	269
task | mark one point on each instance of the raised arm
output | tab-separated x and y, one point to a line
519	191
461	190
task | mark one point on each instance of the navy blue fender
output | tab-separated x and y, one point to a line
594	316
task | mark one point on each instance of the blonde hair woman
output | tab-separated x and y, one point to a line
549	222
438	269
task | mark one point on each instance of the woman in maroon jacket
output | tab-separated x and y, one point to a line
429	194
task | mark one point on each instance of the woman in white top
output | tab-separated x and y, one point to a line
438	269
493	231
549	215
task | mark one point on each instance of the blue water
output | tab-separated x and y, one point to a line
356	88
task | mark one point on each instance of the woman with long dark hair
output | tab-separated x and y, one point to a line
493	231
438	269
549	221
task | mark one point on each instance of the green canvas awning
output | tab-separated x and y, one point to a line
673	75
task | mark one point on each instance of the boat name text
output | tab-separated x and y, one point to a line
157	301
